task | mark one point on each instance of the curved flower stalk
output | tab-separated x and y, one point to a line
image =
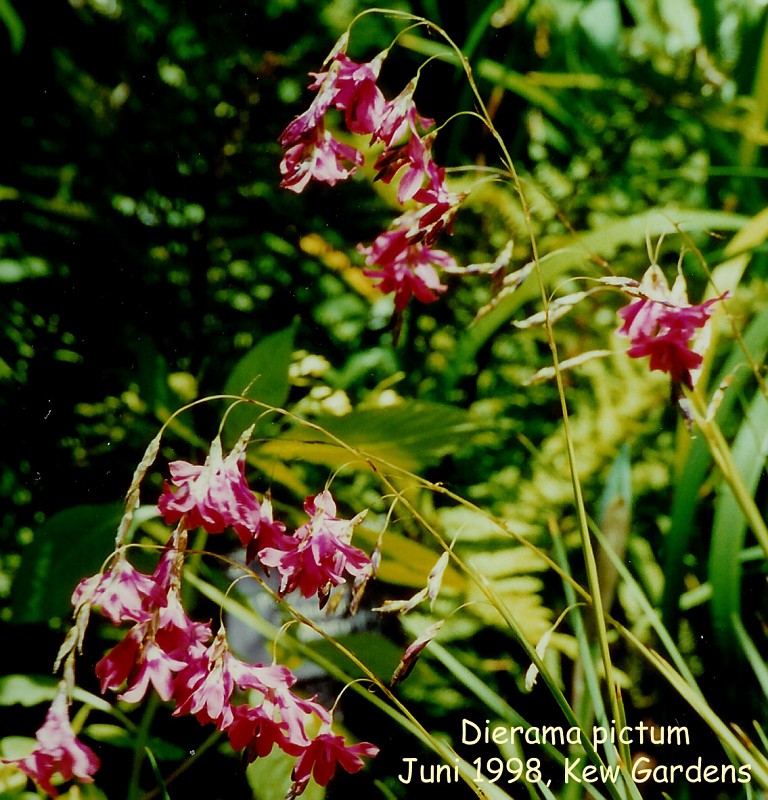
402	258
181	659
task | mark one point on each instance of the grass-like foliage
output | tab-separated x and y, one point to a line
498	529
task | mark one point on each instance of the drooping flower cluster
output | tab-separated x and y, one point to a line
314	559
661	324
182	660
402	258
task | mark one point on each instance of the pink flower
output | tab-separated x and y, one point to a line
319	553
115	667
319	157
405	268
152	652
270	533
414	155
258	730
355	91
401	117
205	686
662	324
321	757
439	206
213	496
123	593
58	751
156	667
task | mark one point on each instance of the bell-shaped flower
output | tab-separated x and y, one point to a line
318	554
213	496
123	593
322	756
405	268
354	91
401	118
58	751
318	157
661	324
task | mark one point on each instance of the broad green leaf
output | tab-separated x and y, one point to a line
32	690
378	653
27	690
67	547
408	435
270	778
262	375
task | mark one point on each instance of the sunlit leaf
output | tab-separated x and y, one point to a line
409	435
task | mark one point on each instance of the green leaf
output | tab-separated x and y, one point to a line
270	778
13	24
32	690
408	435
261	374
379	654
729	528
12	271
68	546
692	475
119	737
27	690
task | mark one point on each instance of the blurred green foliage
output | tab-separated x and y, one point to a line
146	251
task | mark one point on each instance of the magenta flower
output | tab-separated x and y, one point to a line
258	729
156	667
58	751
319	157
662	324
319	553
152	652
355	91
321	757
123	593
414	155
405	268
401	118
204	687
213	496
439	207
